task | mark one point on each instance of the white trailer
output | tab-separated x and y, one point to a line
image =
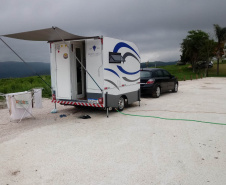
90	71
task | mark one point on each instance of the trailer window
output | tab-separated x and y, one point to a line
115	57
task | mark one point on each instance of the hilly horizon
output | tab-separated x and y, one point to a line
156	64
12	69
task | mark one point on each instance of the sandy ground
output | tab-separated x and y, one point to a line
121	149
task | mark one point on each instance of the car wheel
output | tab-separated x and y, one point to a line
175	89
157	92
121	104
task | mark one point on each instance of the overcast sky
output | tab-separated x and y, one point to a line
156	27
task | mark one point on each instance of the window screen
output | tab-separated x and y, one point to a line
115	57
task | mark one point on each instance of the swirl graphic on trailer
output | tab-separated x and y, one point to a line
128	74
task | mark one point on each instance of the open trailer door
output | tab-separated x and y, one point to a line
63	79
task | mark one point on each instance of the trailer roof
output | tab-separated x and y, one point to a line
53	34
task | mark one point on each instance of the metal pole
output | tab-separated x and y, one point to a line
25	63
106	103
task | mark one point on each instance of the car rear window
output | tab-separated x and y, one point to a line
145	74
166	73
159	73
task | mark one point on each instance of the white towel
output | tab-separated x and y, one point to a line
18	113
23	100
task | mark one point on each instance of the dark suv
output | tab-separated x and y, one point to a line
156	81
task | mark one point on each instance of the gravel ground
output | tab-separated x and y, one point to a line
121	149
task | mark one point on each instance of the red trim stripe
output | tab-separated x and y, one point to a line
77	103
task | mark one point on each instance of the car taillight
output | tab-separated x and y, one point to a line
100	100
150	81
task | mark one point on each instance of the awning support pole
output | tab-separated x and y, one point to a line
25	62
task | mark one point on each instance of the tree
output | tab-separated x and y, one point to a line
195	47
221	39
210	48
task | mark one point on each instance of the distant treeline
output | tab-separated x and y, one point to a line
156	64
19	69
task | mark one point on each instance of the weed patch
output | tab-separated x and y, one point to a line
13	85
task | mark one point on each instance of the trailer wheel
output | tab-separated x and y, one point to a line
121	104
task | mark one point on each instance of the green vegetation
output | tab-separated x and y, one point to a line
222	70
24	84
185	71
182	72
221	39
197	46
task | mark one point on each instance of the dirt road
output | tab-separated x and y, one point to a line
121	149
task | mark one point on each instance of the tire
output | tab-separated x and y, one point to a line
157	92
121	104
175	89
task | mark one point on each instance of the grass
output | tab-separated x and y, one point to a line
222	70
184	72
24	84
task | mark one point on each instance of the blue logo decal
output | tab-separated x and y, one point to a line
94	48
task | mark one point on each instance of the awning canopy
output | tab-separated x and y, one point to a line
53	34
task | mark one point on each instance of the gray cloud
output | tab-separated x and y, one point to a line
156	27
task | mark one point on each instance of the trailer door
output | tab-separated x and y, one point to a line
63	72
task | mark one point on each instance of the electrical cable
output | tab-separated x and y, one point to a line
25	63
171	118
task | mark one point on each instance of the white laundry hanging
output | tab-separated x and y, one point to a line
19	105
22	100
